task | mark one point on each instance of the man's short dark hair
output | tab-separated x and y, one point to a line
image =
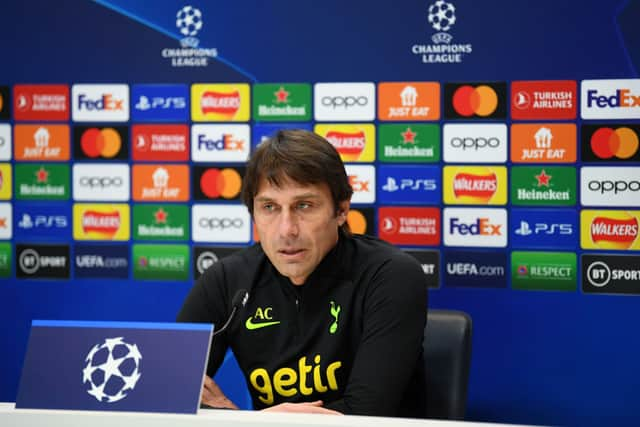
302	156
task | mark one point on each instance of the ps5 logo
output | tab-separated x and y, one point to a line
543	228
42	221
160	102
409	184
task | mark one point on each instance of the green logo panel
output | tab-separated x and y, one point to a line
42	182
160	262
161	222
544	271
278	102
5	259
409	143
543	186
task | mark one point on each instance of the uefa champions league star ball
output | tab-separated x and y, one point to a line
189	20
112	370
442	15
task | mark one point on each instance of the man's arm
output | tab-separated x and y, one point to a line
393	328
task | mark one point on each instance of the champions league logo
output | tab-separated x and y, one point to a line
112	370
189	22
441	16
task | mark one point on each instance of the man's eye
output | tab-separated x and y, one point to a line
268	207
304	205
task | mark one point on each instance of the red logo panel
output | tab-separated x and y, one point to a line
41	102
409	225
160	143
555	99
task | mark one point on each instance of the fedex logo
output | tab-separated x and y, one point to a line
100	103
610	99
475	227
362	179
220	143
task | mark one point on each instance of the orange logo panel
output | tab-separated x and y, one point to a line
168	183
409	101
41	142
543	143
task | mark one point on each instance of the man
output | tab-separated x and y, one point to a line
334	322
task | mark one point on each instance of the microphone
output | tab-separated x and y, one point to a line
239	300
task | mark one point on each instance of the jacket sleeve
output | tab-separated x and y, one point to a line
207	302
395	312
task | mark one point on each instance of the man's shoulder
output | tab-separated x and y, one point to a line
238	265
371	249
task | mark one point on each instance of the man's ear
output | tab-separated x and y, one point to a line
343	210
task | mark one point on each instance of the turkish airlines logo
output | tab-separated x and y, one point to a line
611	144
41	102
343	102
101	222
614	186
160	142
475	100
616	230
475	143
220	223
100	103
554	100
610	99
100	182
363	182
411	226
475	227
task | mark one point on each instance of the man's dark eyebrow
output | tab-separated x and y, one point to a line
298	197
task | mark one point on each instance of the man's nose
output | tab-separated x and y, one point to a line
288	224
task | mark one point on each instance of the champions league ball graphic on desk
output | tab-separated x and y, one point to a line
112	370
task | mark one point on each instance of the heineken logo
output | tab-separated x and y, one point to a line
278	102
160	222
551	186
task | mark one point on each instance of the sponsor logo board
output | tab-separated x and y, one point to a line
612	186
100	103
544	271
6	221
101	261
475	227
430	263
101	221
160	222
6	259
220	223
469	185
220	102
41	142
409	101
354	143
543	185
160	262
409	184
362	179
610	274
419	143
611	230
211	183
263	131
205	256
101	182
344	102
5	103
610	99
475	269
361	220
220	143
160	143
610	143
281	102
109	143
161	183
40	221
475	100
475	143
6	186
42	181
160	102
543	143
41	102
543	228
409	225
5	141
548	99
42	261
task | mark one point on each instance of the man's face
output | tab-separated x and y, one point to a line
297	225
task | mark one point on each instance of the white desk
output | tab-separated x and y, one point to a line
10	417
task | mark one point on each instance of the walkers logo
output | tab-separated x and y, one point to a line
6	221
610	99
614	186
543	228
111	143
215	184
363	182
475	269
409	101
344	102
161	183
5	181
464	185
101	182
100	103
41	102
101	221
282	102
5	103
354	143
160	143
220	102
104	261
544	100
5	141
475	227
220	223
611	274
543	186
543	143
42	261
41	142
361	221
441	15
475	143
611	230
5	259
205	256
220	143
42	182
419	143
544	271
160	262
160	103
160	222
475	100
610	143
42	221
409	184
430	263
409	226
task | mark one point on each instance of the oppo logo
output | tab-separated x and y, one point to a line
474	143
222	223
615	186
101	181
344	101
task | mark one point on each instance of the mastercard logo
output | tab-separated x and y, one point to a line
101	142
357	222
621	143
225	183
480	100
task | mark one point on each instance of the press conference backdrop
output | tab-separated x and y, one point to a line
496	141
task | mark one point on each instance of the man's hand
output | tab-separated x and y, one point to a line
306	407
213	396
